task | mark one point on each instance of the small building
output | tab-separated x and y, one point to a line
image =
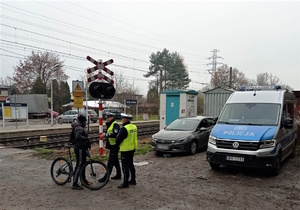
175	104
214	100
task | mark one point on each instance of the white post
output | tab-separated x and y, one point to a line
86	99
137	109
124	106
3	115
27	116
16	111
51	102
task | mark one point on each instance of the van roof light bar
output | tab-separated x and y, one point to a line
254	88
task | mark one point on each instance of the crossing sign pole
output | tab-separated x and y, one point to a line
100	66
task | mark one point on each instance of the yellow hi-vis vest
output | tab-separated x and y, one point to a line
112	141
130	143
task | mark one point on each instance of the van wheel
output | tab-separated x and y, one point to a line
293	154
276	168
214	166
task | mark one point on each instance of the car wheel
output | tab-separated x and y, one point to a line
193	148
214	166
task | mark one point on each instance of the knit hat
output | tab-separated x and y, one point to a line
81	118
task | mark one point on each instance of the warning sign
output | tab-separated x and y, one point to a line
78	102
77	85
78	88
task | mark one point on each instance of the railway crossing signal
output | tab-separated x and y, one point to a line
101	90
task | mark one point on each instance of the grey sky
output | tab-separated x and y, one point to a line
253	36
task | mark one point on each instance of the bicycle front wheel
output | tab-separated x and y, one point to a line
46	121
61	171
91	172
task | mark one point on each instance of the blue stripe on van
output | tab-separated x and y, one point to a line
243	132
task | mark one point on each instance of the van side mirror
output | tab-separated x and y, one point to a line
288	123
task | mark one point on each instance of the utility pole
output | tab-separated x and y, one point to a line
161	78
230	77
214	62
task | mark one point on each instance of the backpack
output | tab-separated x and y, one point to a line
72	135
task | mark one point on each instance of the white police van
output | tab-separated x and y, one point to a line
256	128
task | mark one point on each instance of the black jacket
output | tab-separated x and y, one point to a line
81	137
122	134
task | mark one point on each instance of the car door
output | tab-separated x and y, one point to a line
64	116
203	133
72	116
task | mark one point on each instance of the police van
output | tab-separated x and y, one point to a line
256	128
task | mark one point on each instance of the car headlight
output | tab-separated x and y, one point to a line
212	140
180	140
153	138
267	144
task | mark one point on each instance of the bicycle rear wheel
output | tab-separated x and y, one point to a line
91	172
61	171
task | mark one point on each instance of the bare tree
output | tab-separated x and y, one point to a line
263	79
124	90
222	76
45	66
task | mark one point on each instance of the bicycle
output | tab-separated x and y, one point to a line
62	171
47	120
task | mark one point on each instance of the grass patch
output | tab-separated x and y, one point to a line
143	149
51	154
44	153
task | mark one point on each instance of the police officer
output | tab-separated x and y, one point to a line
113	129
127	141
82	143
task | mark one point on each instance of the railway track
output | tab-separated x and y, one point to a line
56	138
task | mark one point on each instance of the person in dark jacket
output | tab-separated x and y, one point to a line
81	145
112	131
127	141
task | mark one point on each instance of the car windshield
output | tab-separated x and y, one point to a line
183	125
250	114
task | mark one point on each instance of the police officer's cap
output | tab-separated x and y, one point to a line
127	116
109	114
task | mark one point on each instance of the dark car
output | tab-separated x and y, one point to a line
92	115
183	135
116	112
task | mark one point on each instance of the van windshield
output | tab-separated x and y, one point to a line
250	114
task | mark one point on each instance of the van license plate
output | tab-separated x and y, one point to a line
231	158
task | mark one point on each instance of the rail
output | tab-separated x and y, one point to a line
56	138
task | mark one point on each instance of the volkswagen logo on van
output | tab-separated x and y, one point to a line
235	145
240	128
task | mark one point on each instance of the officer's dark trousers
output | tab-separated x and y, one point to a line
127	165
80	160
113	160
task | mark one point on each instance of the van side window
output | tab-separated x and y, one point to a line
288	110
